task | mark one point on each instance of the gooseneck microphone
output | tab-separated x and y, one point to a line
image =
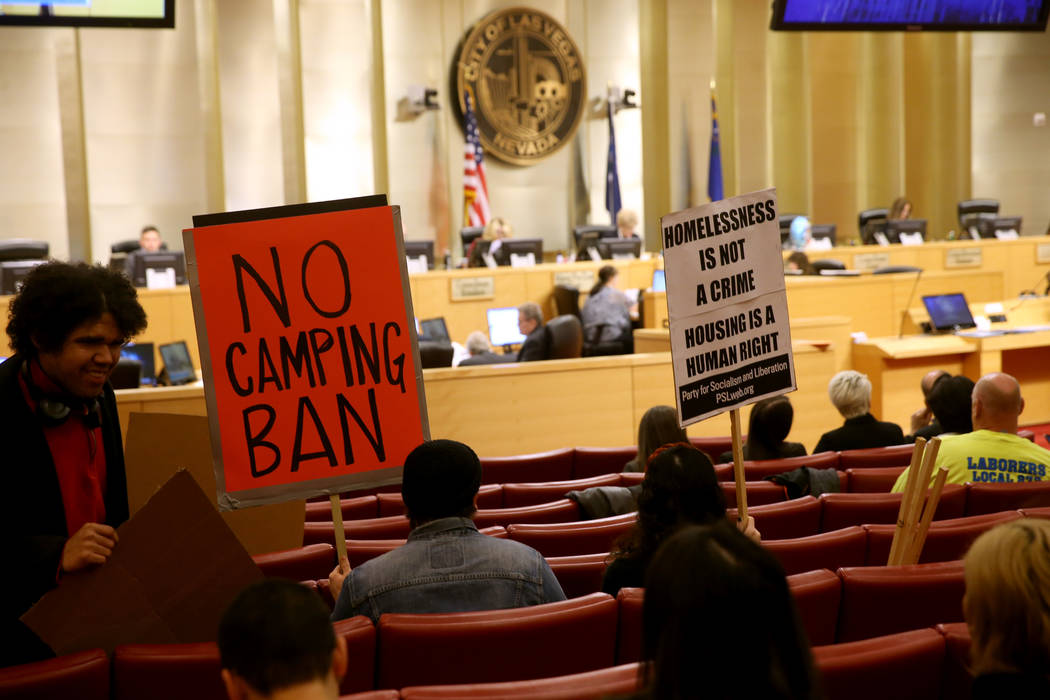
911	297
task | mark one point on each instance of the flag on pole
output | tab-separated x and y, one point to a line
714	164
475	191
612	179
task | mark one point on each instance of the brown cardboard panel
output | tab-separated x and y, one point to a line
175	569
159	444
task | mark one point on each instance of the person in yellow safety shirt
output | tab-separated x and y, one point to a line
993	452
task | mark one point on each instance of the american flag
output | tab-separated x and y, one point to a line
475	191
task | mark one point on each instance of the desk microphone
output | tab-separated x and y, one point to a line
907	306
1027	294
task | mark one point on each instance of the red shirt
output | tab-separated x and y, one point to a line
78	454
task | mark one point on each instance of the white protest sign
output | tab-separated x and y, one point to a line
727	305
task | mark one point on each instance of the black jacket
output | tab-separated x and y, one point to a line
535	346
860	433
32	517
486	358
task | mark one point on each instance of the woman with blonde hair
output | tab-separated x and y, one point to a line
496	229
1007	607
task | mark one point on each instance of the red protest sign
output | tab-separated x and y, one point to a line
308	348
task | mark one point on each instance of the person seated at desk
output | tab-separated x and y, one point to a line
850	392
489	241
767	431
923	423
627	224
66	491
900	209
481	352
149	242
606	313
798	264
446	565
276	641
530	324
993	452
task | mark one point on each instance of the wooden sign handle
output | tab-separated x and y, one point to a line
738	466
337	520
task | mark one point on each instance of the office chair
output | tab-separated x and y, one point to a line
870	220
125	246
435	353
828	264
467	234
564	337
23	249
566	300
971	211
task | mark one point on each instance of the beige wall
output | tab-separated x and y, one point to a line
249	104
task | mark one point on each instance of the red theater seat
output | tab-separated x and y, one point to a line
797	518
828	550
879	600
817	595
947	539
1027	434
373	695
714	446
957	679
555	465
592	685
311	562
993	498
490	646
1035	512
593	461
758	493
167	672
489	496
845	509
895	456
905	666
530	494
360	636
580	574
872	479
756	470
566	539
724	472
629	629
352	509
393	527
631	478
84	676
561	511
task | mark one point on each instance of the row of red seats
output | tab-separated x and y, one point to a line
583	636
796	518
580	572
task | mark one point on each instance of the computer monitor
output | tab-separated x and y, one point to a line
784	221
13	272
177	363
620	248
503	326
948	311
895	227
143	352
519	248
160	262
659	281
415	249
434	329
594	232
972	212
990	227
822	231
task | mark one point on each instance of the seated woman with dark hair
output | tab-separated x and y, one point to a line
767	431
606	313
1007	607
658	427
680	488
719	622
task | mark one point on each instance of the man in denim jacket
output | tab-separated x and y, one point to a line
446	565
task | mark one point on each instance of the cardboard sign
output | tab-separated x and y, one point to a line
308	348
175	569
727	305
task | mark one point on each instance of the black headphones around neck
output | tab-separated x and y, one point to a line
54	410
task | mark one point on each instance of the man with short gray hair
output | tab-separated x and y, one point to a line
993	452
850	393
480	352
530	323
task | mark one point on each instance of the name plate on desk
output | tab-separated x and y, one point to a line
582	280
870	261
466	288
963	257
1042	252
